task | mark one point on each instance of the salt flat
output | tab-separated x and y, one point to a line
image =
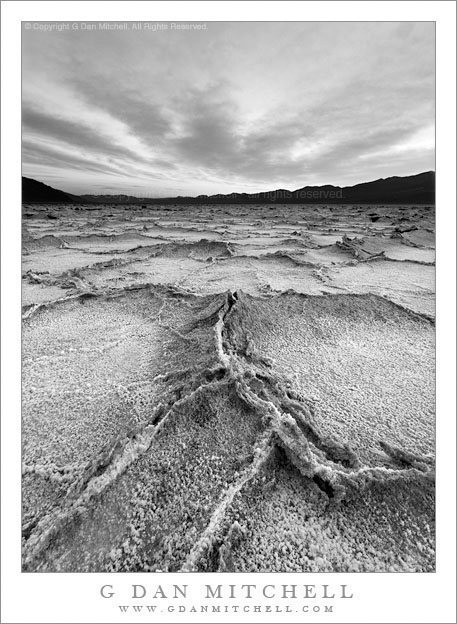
232	388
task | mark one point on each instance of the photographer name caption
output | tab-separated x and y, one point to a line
208	598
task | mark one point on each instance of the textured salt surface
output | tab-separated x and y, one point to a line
228	388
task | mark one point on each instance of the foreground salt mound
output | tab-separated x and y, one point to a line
287	525
363	366
169	431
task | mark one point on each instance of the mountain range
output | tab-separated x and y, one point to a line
415	189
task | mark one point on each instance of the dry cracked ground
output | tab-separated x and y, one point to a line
228	388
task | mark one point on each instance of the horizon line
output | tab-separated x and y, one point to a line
320	186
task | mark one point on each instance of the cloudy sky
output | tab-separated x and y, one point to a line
236	107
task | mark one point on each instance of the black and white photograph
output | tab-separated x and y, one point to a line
228	291
228	307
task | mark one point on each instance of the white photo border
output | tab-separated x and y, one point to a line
407	598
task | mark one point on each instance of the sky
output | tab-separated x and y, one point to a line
233	107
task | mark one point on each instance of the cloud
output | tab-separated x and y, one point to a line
74	133
53	156
145	118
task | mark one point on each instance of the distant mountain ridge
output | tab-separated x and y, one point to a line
37	192
415	189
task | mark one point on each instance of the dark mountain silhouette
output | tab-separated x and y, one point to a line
37	192
415	189
410	189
